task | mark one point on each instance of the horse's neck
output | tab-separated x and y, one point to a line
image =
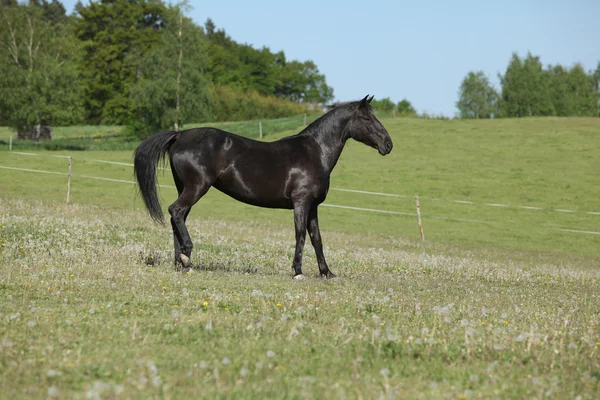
332	141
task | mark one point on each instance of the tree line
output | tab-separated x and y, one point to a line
528	89
139	63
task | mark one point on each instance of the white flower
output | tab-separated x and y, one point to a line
53	391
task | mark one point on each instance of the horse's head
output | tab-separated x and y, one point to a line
366	128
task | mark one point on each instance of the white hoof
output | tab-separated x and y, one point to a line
299	277
185	260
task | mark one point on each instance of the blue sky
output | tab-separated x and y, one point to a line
419	50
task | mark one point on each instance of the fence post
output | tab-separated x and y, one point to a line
419	217
69	179
10	143
304	119
260	129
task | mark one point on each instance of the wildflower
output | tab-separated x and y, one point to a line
72	275
205	304
225	361
482	322
278	305
53	391
270	354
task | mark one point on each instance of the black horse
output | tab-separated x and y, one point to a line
290	173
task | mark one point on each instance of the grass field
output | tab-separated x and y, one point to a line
543	163
498	302
83	316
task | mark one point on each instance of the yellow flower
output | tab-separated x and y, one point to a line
175	306
164	288
205	304
72	275
278	305
482	322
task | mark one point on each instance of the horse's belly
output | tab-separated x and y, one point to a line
265	194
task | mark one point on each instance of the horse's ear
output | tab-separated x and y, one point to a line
364	101
370	99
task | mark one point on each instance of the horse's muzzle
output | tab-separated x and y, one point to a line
386	148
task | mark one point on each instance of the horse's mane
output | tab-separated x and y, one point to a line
337	112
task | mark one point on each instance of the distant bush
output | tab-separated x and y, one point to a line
229	104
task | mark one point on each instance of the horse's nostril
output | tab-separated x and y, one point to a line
388	146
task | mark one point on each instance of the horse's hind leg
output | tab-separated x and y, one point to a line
179	211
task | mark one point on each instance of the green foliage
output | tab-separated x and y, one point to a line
242	67
39	80
172	88
405	108
123	62
384	104
301	82
525	88
117	35
530	90
595	82
230	104
477	98
572	93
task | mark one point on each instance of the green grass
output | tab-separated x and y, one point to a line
82	315
546	163
504	308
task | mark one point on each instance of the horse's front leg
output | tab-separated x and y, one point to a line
301	211
315	238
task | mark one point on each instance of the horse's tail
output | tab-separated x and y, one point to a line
147	156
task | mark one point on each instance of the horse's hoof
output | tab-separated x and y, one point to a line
299	277
186	270
185	260
331	275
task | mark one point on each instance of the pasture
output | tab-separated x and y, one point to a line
498	302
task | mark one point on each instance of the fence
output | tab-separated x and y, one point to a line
417	214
